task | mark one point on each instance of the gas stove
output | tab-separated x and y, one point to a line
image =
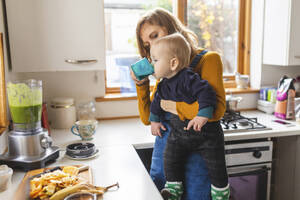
233	122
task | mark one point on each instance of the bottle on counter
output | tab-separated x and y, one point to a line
285	99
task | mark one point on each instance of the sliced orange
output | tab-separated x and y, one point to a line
72	170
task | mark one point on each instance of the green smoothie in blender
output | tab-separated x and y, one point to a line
25	101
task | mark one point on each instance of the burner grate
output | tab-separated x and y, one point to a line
234	121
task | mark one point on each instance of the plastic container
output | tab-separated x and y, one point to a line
62	113
266	106
5	177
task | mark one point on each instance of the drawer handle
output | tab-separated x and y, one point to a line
297	57
81	61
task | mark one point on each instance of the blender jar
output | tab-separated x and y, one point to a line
25	103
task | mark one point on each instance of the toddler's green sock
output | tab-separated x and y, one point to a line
220	193
172	191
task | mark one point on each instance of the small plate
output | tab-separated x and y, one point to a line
84	157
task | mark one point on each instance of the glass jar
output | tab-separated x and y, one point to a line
86	111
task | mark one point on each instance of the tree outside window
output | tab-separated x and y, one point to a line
216	24
214	21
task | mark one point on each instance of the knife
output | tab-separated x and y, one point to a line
82	168
46	171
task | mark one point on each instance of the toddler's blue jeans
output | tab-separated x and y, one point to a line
196	184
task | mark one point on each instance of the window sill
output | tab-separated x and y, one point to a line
116	97
126	97
240	91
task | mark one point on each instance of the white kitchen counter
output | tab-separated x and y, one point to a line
277	130
133	132
119	162
113	164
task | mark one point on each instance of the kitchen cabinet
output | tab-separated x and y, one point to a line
281	32
286	176
284	168
56	35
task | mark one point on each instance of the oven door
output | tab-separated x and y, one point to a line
250	182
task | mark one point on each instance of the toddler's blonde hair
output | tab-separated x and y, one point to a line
176	45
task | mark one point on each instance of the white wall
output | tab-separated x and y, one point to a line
272	74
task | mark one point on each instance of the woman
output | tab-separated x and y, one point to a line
155	24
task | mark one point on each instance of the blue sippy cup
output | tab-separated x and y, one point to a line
142	68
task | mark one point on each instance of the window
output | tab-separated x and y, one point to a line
216	24
121	18
221	25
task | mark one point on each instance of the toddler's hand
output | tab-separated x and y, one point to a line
155	128
197	123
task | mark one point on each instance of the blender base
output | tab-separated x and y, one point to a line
30	163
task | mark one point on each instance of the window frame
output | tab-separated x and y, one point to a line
3	111
180	10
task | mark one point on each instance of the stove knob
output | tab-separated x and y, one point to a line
46	142
257	154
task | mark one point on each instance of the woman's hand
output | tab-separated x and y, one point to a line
138	82
155	128
197	123
169	106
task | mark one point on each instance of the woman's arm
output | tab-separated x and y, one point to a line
143	97
144	100
211	69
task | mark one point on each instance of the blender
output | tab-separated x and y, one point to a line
29	145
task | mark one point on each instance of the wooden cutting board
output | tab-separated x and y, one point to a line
24	187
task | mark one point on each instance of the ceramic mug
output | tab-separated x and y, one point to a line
85	129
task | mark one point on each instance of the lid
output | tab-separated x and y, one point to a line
4	169
62	101
80	149
89	104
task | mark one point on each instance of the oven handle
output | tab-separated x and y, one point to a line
248	171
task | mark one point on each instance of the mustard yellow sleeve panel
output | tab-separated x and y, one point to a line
187	111
212	71
143	97
154	90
